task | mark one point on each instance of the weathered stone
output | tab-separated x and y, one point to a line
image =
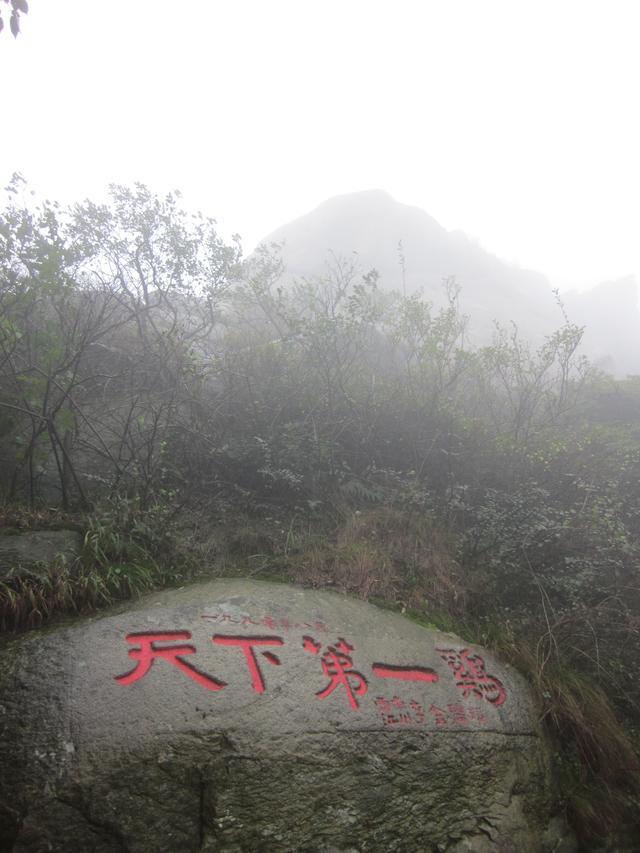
36	549
336	727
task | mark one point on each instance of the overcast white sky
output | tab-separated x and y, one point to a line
516	121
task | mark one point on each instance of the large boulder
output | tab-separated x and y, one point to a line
246	716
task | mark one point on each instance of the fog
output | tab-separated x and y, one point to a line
414	254
512	122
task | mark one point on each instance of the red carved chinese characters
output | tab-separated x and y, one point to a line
270	622
471	676
247	645
337	665
148	652
457	715
397	712
404	673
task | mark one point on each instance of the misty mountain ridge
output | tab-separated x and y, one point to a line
412	252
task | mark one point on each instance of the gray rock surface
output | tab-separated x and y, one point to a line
246	716
36	549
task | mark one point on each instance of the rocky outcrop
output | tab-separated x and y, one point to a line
35	550
245	716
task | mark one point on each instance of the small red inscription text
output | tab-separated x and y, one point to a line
273	623
398	712
456	715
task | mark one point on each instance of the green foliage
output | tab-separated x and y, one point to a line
136	546
596	761
102	302
127	551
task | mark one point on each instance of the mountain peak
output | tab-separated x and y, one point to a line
412	253
377	206
371	197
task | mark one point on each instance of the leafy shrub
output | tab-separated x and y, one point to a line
126	551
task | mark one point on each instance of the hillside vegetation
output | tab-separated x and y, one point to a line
190	416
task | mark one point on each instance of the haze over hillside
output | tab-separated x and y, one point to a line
412	251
